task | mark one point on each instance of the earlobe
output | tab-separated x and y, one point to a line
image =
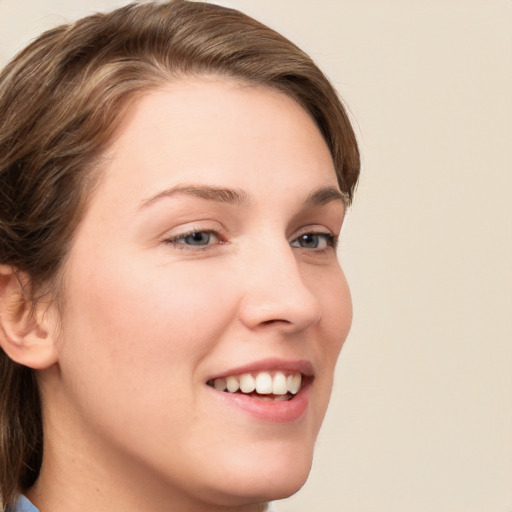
26	334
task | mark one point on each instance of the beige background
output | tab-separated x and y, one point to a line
421	415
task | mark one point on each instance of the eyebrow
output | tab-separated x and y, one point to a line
207	192
325	195
318	197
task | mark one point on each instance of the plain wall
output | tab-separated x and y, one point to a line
421	413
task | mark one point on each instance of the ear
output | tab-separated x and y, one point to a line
27	334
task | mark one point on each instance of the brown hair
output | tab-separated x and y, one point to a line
61	100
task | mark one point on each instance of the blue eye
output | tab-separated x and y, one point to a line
200	238
197	239
315	241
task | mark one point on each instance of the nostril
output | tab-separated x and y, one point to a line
276	321
286	315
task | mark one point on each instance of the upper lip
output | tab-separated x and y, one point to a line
270	365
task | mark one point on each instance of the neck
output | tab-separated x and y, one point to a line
71	494
83	471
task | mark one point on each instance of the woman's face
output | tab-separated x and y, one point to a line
206	258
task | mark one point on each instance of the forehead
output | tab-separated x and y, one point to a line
220	132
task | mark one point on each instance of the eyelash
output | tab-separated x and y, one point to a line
331	241
175	241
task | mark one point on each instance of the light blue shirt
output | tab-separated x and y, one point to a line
22	504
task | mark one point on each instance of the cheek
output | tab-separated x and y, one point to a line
340	310
332	290
133	329
337	315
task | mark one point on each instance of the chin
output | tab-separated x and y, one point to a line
259	490
272	477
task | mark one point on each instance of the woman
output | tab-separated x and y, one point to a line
173	180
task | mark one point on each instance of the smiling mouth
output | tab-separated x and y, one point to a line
275	386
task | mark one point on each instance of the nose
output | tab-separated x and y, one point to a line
275	292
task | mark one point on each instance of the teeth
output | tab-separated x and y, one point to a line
293	383
279	386
219	384
264	383
247	383
231	383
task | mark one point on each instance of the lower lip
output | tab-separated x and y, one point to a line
286	411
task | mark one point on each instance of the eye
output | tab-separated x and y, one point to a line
195	239
315	241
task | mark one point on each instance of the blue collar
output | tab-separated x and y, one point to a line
22	504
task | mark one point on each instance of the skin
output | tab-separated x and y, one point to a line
146	318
